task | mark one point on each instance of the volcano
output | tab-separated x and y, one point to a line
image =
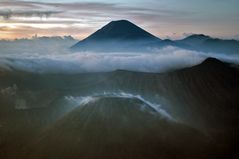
117	127
121	30
121	35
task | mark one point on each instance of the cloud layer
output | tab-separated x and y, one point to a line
52	55
163	60
7	14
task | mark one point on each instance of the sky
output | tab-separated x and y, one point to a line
172	19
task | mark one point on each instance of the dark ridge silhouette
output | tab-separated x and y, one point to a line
206	43
195	39
221	46
213	62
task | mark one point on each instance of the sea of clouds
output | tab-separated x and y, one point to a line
63	61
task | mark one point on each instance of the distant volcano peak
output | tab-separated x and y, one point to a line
121	30
123	21
200	36
213	61
120	35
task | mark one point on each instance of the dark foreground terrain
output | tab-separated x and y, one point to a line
113	115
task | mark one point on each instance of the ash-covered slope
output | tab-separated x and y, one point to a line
118	127
207	93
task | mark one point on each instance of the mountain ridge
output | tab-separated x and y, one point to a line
124	36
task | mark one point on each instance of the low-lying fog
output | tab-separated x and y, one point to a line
42	59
